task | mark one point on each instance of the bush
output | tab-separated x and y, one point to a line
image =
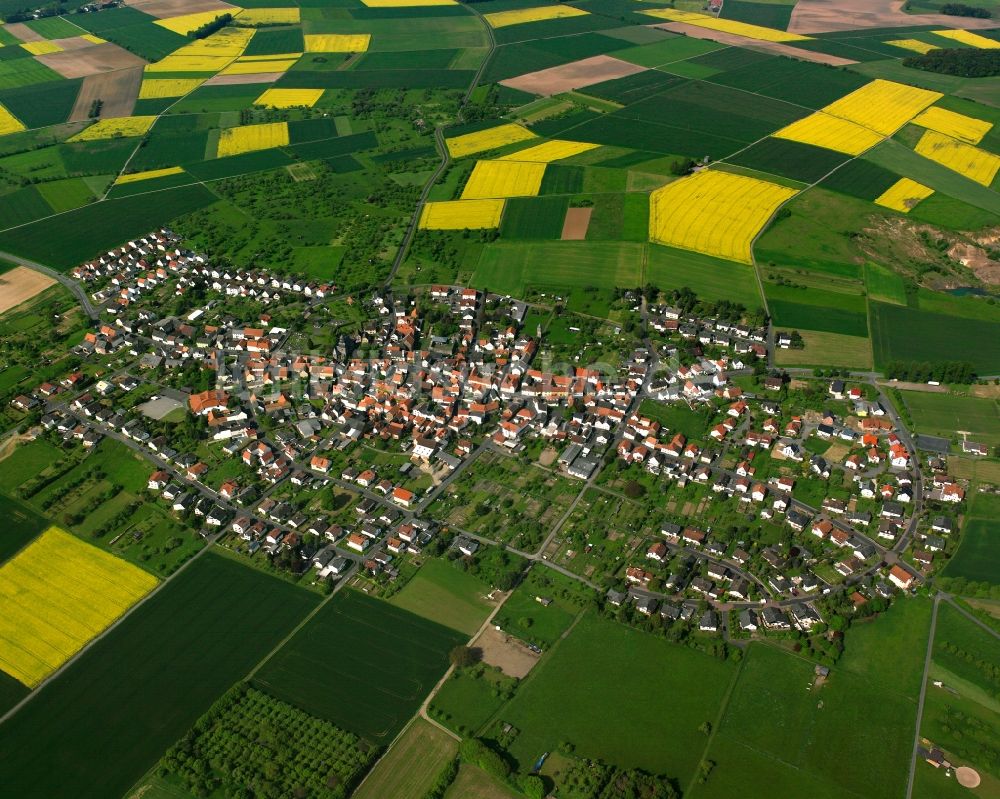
962	10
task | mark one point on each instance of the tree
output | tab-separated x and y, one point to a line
634	489
462	656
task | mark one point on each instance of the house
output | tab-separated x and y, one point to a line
657	552
402	496
748	621
158	480
709	622
358	542
207	401
615	598
319	464
647	605
775	619
900	578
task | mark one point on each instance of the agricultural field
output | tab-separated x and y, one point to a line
21	525
446	595
191	657
976	558
338	668
411	765
943	414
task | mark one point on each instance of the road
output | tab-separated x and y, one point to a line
923	693
74	287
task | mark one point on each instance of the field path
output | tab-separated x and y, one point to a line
923	693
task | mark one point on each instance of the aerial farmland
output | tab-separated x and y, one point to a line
439	399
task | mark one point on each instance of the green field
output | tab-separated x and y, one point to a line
534	217
470	697
446	595
595	690
524	616
942	414
710	278
143	685
827	349
978	556
779	737
21	524
362	664
410	767
514	268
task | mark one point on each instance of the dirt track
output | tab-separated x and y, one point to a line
19	285
574	75
118	90
819	16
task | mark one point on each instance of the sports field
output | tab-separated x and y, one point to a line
943	414
446	595
192	640
409	768
582	694
362	664
47	614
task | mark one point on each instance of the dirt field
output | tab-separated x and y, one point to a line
574	75
91	61
967	777
505	652
576	224
902	385
753	44
23	32
818	16
240	80
118	90
164	9
21	284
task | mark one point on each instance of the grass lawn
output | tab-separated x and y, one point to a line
25	462
411	765
710	278
942	414
524	616
362	664
828	349
442	593
141	687
676	417
470	697
621	695
474	783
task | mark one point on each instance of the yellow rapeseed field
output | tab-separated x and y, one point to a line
501	19
709	22
903	195
269	16
42	48
549	151
114	128
241	67
407	3
55	595
462	215
93	39
149	174
833	133
247	138
963	158
489	139
969	38
491	179
289	98
186	23
716	213
958	126
9	123
153	89
337	42
882	105
915	45
189	63
227	42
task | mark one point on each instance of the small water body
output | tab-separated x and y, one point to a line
969	291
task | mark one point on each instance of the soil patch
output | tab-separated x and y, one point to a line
23	32
819	16
507	653
240	80
549	454
91	61
576	224
117	92
21	284
967	777
753	44
574	75
165	9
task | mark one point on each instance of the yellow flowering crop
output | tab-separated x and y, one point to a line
549	151
915	45
152	89
883	105
462	215
241	67
269	16
114	128
93	39
42	48
709	22
55	595
959	126
9	123
289	98
963	158
489	139
226	42
833	133
149	174
716	213
903	195
189	22
407	3
491	179
190	63
247	138
501	19
969	38
337	42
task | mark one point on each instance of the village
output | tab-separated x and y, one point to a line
766	496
